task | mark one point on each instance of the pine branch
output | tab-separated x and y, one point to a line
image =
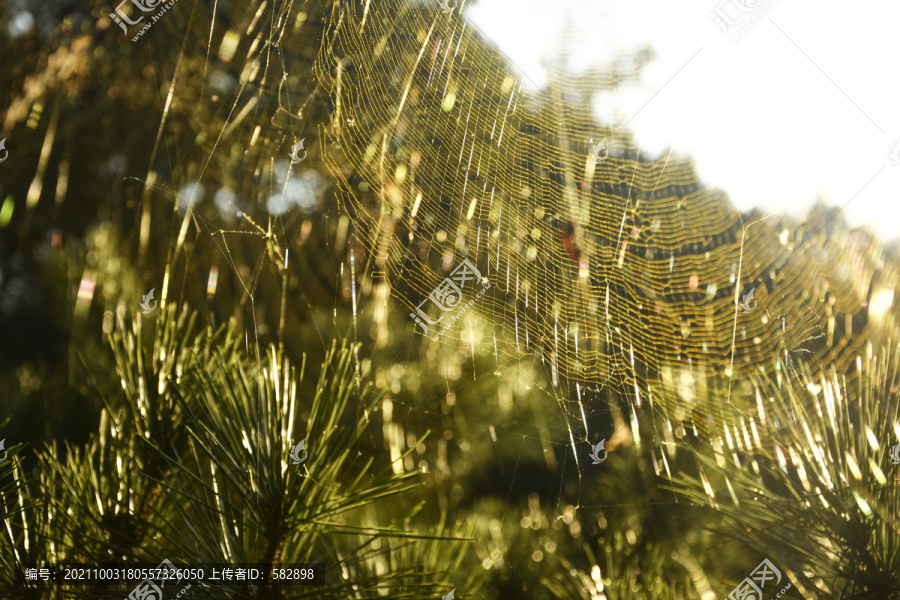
196	468
820	500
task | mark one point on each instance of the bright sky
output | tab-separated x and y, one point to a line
804	105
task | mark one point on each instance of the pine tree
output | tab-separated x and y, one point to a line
195	420
191	463
821	498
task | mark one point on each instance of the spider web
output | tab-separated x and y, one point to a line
612	272
614	285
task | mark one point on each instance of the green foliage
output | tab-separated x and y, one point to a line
821	501
191	463
189	459
12	505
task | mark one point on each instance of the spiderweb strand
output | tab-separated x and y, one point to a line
619	274
592	263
